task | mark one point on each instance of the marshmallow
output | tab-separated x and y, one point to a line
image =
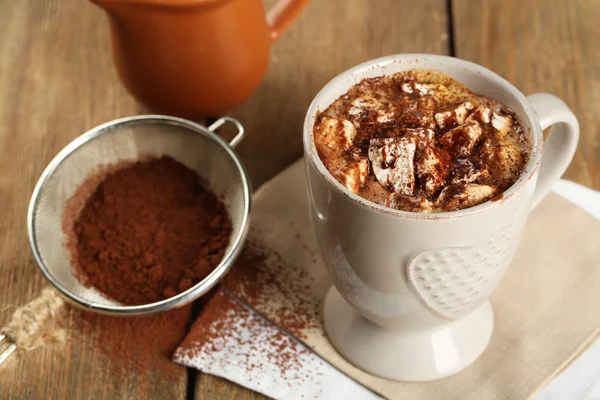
392	162
336	133
451	118
355	175
423	89
423	136
409	203
459	196
481	114
384	117
431	170
361	104
502	158
407	88
426	105
501	124
466	172
488	151
459	142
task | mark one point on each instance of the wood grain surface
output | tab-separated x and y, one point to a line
542	46
57	81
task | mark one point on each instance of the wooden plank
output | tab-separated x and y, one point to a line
56	82
542	46
211	387
330	37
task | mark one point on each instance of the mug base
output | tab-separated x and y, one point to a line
407	356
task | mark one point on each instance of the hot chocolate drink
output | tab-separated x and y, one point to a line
420	141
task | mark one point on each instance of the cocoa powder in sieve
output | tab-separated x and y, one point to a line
149	231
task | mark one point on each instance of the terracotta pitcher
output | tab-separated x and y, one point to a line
193	58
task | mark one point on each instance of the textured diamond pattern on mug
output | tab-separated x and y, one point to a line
453	281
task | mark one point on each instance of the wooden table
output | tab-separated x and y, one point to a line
57	81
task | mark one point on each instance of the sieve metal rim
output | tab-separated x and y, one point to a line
201	287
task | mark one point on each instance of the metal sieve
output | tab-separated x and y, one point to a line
128	140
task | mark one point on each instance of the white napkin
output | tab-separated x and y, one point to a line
254	368
246	354
581	381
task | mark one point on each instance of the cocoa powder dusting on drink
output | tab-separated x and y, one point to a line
420	141
150	231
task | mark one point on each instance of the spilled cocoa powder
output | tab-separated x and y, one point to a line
228	335
275	288
260	277
138	347
224	325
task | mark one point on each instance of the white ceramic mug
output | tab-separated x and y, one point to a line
410	296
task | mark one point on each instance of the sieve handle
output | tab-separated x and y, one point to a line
221	121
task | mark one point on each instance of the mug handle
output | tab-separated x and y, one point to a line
560	144
282	14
